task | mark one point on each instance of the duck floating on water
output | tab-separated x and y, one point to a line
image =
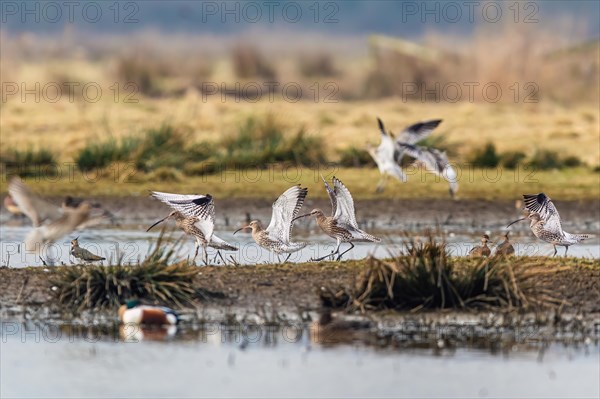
133	312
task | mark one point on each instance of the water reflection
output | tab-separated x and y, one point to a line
289	360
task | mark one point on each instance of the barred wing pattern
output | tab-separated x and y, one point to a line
332	198
196	206
433	159
543	205
344	212
285	209
417	132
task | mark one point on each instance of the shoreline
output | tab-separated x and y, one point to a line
295	289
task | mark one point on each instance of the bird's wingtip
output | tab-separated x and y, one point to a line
381	125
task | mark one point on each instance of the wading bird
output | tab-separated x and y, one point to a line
133	312
276	237
545	222
51	222
388	155
83	254
195	215
505	247
341	225
483	249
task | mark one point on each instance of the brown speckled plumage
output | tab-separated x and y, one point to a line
505	247
276	237
545	222
483	249
341	225
195	215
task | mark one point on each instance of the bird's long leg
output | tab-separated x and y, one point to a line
221	256
288	257
329	255
337	249
555	250
566	249
382	183
321	258
215	257
340	255
204	248
196	253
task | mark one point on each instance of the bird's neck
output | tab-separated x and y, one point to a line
322	220
256	232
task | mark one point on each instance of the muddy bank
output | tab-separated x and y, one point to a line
292	288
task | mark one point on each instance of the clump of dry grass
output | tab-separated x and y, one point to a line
426	277
154	279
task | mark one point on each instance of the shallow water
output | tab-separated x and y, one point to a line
42	361
132	245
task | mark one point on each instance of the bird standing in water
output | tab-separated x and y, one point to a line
82	253
545	222
341	225
276	237
483	249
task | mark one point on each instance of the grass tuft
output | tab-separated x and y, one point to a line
353	157
487	157
97	155
426	277
29	162
154	279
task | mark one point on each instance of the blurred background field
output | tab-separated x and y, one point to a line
188	102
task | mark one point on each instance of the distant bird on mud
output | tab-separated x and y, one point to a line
82	253
195	215
505	247
388	155
545	222
51	222
276	237
341	225
133	312
483	249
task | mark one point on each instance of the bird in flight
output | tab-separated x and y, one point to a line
388	155
51	222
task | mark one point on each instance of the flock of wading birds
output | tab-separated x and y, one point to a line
195	214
